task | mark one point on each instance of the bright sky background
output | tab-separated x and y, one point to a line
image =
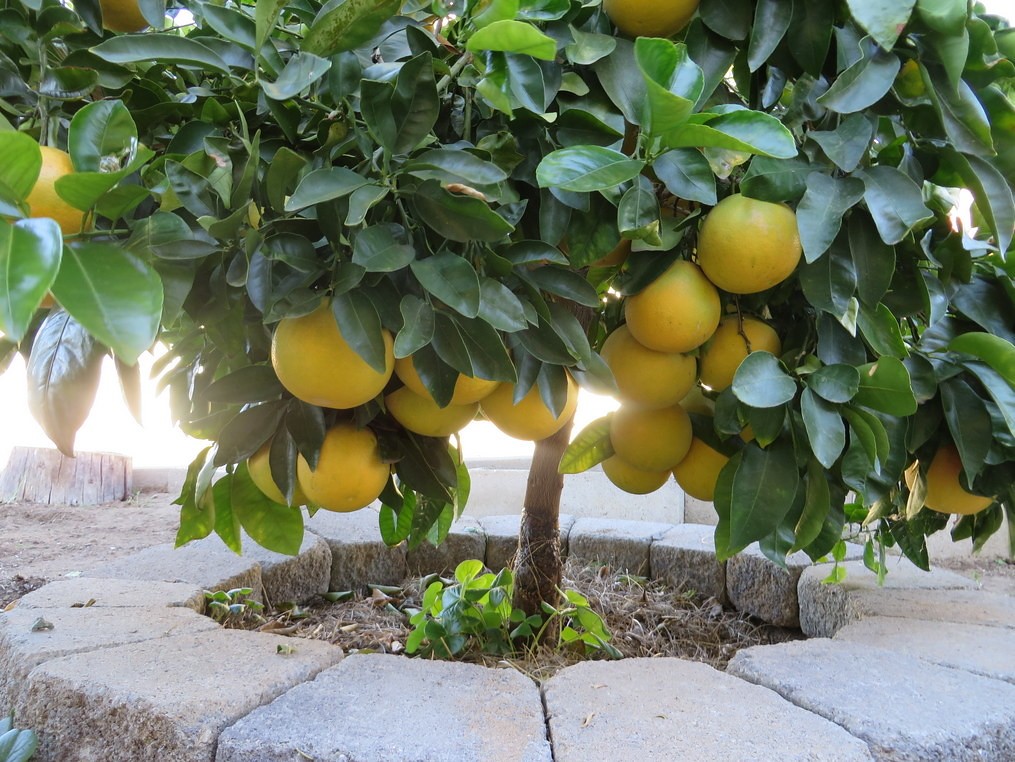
111	428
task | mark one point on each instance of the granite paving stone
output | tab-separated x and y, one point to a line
684	557
113	593
465	541
359	556
619	543
502	538
292	579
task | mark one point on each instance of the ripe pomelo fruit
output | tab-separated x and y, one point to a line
530	419
646	377
423	416
318	366
677	312
945	494
728	347
260	473
698	472
43	200
350	473
650	18
122	16
651	440
467	389
630	479
746	246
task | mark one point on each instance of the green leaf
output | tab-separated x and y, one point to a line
401	115
764	487
817	504
776	180
301	72
673	83
451	279
884	20
965	121
874	436
254	383
686	174
63	378
585	169
895	202
729	18
360	326
873	259
943	16
820	213
825	429
232	25
101	128
638	210
500	307
511	36
811	33
737	130
565	283
880	327
272	526
591	447
846	145
830	281
864	83
227	525
452	165
589	47
30	253
267	14
997	352
457	217
992	194
885	386
771	22
19	170
113	293
969	423
154	48
324	185
382	248
417	326
835	383
347	24
999	389
487	353
761	382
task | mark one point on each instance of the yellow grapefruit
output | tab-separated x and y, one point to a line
746	246
43	200
650	18
698	472
467	389
651	440
350	474
945	494
423	416
728	347
677	312
646	377
260	474
530	419
122	16
318	366
630	479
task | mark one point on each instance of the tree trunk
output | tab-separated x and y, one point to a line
538	564
43	475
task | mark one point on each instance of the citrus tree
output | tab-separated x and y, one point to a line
357	225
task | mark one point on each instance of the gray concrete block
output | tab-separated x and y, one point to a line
976	648
25	644
464	542
684	557
903	707
907	592
699	511
359	556
765	590
207	563
643	710
78	592
161	700
502	538
618	543
391	709
293	579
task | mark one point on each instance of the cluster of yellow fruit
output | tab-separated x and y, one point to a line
317	365
745	247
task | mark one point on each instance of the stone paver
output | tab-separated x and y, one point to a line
684	557
207	563
464	542
907	592
391	709
619	543
24	644
642	710
903	707
359	556
763	589
161	700
987	651
502	538
113	593
292	579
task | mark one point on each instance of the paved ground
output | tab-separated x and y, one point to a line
118	664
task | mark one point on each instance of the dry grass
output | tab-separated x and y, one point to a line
647	619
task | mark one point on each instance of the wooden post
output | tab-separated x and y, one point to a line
42	475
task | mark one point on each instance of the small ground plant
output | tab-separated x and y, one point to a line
475	614
16	745
233	607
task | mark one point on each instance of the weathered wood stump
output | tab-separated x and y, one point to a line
42	475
